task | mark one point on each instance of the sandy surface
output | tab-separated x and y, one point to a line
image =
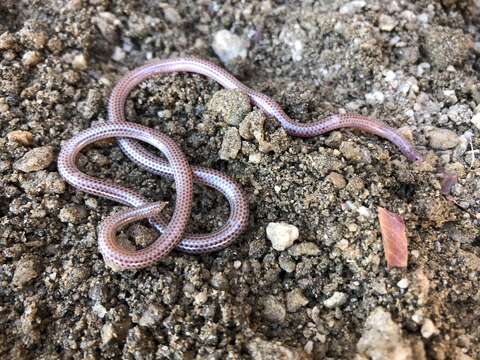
414	65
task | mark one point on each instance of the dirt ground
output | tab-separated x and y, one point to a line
412	64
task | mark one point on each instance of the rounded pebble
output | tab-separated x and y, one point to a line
282	235
336	300
36	159
20	137
442	139
229	46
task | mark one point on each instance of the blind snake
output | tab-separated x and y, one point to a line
175	166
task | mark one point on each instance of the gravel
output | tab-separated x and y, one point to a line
412	65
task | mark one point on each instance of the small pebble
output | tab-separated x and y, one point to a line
286	264
305	248
20	137
336	300
459	113
79	62
352	7
255	158
282	235
295	300
31	58
337	180
382	338
25	271
442	139
273	309
403	284
151	316
386	23
354	152
228	46
72	214
35	159
231	144
231	105
375	98
171	15
476	120
428	329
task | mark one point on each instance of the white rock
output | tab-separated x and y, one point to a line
352	7
282	235
386	23
336	300
375	98
118	54
229	46
79	62
476	120
382	338
403	284
428	329
31	58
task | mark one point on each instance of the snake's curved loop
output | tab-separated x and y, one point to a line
111	251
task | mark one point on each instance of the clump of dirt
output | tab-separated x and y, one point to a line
413	65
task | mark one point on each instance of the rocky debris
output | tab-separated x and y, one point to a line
26	270
386	23
352	7
91	107
229	46
266	350
354	152
231	105
460	113
7	41
281	235
286	264
375	98
442	139
43	182
382	338
304	249
336	300
72	214
231	144
476	120
337	180
252	128
36	159
79	62
151	316
446	46
296	300
31	58
273	309
21	137
107	23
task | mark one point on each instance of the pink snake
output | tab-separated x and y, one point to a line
176	166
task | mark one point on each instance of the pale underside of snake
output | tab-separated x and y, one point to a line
174	165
